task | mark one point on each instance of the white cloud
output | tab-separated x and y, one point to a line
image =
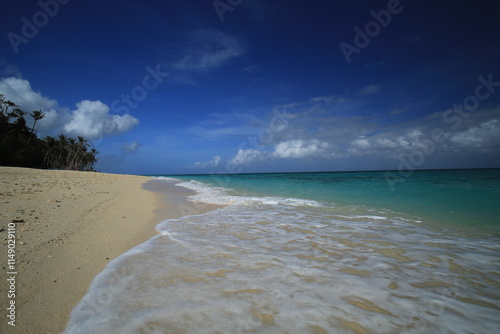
92	120
361	144
216	161
20	92
212	49
369	90
485	135
226	126
398	111
328	99
333	128
301	149
131	147
292	149
245	157
9	70
383	145
250	69
386	143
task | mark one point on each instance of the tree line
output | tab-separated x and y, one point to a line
21	147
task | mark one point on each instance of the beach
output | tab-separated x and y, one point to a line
68	226
103	253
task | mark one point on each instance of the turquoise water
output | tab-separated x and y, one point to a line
467	198
311	253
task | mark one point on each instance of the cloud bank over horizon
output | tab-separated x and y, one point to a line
314	130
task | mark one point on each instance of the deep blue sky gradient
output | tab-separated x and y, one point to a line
226	80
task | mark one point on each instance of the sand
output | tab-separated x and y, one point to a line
68	226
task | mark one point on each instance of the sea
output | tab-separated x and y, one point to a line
333	252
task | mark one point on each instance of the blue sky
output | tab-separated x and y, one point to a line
163	87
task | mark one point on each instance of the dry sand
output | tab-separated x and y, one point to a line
68	226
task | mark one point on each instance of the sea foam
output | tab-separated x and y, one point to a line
285	265
219	195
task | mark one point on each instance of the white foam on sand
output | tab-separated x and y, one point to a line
269	268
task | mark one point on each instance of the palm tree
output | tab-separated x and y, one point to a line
72	148
83	145
20	145
50	151
62	148
91	159
37	115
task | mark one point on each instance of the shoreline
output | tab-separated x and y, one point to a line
68	226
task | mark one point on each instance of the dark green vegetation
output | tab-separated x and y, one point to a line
20	146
